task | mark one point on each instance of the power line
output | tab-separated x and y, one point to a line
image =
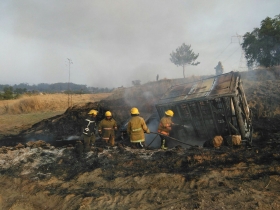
231	55
241	61
242	57
222	51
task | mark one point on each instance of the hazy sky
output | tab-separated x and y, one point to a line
112	42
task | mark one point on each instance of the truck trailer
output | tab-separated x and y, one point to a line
212	106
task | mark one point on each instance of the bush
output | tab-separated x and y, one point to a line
8	93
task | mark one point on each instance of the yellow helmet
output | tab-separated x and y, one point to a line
134	110
94	112
108	114
169	113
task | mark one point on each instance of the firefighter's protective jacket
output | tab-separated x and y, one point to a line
136	128
164	126
107	128
89	126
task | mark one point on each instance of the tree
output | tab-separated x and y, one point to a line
183	56
20	91
8	93
262	45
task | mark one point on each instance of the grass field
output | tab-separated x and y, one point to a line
19	114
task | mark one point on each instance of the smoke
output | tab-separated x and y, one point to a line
153	140
48	138
114	43
261	74
148	95
184	134
69	138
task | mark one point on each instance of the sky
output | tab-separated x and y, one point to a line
111	43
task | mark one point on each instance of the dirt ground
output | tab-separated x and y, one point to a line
121	178
37	175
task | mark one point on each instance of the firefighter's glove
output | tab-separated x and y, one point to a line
148	131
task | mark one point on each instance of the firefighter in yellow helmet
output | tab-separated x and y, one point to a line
136	128
165	127
89	130
107	128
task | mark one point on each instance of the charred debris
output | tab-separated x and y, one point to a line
215	106
204	107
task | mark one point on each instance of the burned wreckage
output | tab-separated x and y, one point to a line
211	107
203	109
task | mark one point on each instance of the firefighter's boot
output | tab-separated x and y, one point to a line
163	144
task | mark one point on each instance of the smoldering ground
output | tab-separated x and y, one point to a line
41	176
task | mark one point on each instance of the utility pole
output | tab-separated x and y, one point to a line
241	61
69	103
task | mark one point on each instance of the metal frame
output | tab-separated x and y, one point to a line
219	108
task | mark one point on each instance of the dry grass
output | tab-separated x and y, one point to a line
13	124
48	102
22	113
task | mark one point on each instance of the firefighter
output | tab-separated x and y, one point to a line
89	130
165	127
136	128
219	68
107	128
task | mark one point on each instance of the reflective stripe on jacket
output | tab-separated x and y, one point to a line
107	128
136	128
164	126
89	126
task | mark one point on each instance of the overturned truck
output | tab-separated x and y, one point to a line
210	107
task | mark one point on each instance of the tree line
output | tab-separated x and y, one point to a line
10	92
